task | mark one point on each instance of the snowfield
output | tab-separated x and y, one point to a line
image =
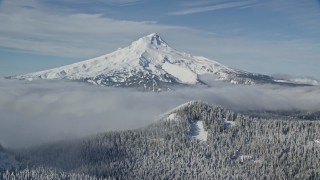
184	75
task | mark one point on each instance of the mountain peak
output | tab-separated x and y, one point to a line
152	39
152	35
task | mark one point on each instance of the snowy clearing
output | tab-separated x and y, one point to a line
198	132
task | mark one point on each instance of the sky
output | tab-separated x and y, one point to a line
262	36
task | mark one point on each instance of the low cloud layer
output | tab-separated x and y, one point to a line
38	112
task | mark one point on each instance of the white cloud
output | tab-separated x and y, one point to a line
206	7
42	30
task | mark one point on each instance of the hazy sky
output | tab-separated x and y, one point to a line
265	36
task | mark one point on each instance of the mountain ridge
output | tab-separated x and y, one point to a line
200	141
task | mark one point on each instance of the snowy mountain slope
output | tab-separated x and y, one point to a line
148	63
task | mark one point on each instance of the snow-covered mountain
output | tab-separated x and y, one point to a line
195	140
151	64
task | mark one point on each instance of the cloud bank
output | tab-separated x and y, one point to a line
38	112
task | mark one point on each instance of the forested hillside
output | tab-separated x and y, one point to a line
236	147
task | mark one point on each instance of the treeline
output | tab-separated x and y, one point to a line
249	149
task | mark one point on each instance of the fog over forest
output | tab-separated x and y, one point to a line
43	111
